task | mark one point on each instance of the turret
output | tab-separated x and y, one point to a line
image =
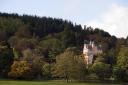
89	50
85	49
92	44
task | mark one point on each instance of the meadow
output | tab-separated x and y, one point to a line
16	82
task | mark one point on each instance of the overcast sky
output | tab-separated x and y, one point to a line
109	15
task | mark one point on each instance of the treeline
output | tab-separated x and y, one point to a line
33	47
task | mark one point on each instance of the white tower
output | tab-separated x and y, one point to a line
89	50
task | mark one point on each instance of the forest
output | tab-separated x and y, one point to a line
46	48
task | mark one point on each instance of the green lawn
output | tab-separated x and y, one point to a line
13	82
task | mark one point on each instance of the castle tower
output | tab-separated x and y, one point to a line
89	50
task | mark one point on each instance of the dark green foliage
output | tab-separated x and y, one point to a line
120	74
46	71
8	26
121	70
47	37
102	70
70	65
6	59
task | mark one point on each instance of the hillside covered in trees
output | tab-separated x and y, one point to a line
33	47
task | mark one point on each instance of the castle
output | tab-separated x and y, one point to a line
90	50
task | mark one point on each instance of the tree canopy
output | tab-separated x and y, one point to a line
45	43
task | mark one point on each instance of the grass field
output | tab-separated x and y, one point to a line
13	82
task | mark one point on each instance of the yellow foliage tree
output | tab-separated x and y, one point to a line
21	70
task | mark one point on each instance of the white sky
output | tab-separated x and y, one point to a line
114	20
109	15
